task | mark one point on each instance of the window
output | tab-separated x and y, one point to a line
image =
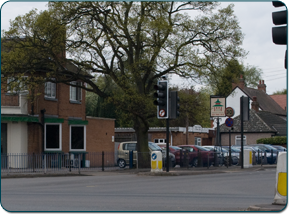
130	146
160	140
52	140
75	92
198	141
77	138
238	140
15	85
50	90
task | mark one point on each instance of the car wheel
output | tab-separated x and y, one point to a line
194	162
121	163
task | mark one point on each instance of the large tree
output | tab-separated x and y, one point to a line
220	79
134	43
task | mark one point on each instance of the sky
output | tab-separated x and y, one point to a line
255	19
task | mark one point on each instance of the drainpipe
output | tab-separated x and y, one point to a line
42	123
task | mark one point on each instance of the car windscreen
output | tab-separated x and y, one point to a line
202	148
154	147
175	147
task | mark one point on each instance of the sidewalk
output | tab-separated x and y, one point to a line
176	171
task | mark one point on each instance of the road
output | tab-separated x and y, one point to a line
129	192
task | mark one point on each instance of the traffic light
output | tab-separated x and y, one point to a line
279	34
175	106
162	101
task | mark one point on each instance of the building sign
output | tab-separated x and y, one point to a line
218	106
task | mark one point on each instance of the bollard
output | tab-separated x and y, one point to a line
208	163
247	158
131	159
69	162
156	161
187	159
102	162
281	180
78	163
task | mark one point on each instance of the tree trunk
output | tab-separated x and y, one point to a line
187	130
141	131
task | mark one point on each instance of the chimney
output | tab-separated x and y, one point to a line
212	122
262	86
241	83
255	104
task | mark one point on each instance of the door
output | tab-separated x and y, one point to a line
3	145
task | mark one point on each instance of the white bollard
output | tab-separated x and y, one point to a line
248	158
281	180
156	161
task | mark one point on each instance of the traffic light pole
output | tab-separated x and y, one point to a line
168	146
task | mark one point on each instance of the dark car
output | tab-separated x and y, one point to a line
271	152
207	156
174	150
279	148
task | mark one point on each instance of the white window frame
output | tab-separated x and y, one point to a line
75	92
60	137
238	139
198	141
23	88
84	136
49	89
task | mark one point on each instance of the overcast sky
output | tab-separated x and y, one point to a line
255	20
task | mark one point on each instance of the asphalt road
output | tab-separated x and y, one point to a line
128	192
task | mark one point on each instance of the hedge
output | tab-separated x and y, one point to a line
273	140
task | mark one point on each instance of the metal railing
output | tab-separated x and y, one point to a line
67	162
51	162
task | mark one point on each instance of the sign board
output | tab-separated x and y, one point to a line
229	122
218	106
229	111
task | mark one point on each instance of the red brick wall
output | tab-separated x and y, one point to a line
99	132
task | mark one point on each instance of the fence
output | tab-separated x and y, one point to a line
44	163
11	163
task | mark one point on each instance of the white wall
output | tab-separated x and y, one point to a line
233	101
17	142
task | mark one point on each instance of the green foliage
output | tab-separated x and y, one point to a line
274	140
194	108
284	91
132	43
220	80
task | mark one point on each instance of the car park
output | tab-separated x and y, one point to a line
125	147
279	148
223	154
195	153
267	151
174	150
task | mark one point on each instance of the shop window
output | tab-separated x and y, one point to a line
198	141
52	140
77	138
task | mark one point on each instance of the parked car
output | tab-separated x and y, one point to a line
174	150
223	154
279	148
207	156
125	147
271	152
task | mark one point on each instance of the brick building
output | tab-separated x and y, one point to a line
196	135
66	127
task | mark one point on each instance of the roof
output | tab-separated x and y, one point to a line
266	103
281	99
259	122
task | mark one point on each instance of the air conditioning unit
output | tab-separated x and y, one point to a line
73	161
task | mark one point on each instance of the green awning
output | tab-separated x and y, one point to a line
54	120
77	122
19	119
29	119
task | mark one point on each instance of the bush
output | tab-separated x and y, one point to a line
274	140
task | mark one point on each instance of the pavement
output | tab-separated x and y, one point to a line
176	171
